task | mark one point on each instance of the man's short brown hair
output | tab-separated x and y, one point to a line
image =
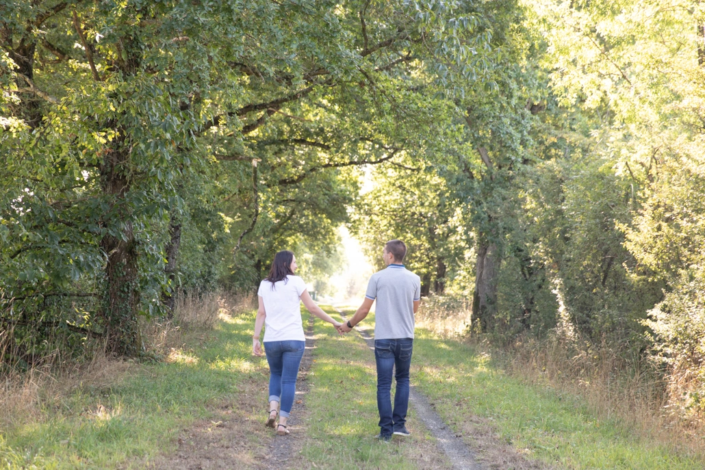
396	248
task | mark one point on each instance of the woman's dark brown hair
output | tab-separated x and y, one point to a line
281	267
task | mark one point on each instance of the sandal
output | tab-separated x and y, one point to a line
284	432
270	421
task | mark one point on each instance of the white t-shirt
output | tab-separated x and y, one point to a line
283	307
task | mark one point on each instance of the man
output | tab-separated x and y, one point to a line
397	292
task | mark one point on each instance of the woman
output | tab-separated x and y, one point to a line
279	298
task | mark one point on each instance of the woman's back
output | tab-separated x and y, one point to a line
282	307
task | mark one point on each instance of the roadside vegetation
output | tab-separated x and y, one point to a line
121	413
543	405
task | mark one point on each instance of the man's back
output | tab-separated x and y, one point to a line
395	289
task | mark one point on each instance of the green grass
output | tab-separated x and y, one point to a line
139	416
342	411
545	424
142	413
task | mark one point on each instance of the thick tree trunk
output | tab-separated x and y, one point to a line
485	297
172	253
439	285
121	301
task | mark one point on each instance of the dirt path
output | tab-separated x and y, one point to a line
235	437
285	450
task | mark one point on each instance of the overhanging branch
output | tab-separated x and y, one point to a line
302	176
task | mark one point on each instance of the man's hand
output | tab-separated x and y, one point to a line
256	347
344	328
338	326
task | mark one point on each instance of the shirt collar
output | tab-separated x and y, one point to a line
394	265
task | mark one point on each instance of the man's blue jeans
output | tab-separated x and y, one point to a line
284	358
391	354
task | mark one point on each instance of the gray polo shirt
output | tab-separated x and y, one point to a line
395	290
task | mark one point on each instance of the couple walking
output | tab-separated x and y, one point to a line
397	292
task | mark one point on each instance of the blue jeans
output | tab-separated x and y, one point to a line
284	358
391	354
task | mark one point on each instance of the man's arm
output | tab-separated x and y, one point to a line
359	315
416	305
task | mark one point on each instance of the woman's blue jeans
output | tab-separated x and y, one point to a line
284	358
393	354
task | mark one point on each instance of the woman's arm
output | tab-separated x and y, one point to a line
316	310
259	322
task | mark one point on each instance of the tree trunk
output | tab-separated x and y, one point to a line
121	305
121	271
484	299
172	253
439	285
425	284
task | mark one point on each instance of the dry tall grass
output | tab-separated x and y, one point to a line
448	317
615	383
23	395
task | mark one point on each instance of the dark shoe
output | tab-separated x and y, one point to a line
402	431
382	438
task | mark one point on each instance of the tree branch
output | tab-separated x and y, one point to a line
33	89
406	58
296	142
262	119
86	46
49	13
365	40
386	43
54	50
302	176
256	202
275	104
609	59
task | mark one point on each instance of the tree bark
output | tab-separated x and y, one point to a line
425	284
485	297
172	253
121	270
122	299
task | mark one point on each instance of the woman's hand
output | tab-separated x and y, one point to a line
256	347
338	326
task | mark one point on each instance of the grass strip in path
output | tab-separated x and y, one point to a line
471	392
342	412
212	385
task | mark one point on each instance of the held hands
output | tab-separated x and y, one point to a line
338	327
343	328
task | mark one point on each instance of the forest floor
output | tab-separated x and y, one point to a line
205	407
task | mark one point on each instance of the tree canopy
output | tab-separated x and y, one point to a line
541	158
